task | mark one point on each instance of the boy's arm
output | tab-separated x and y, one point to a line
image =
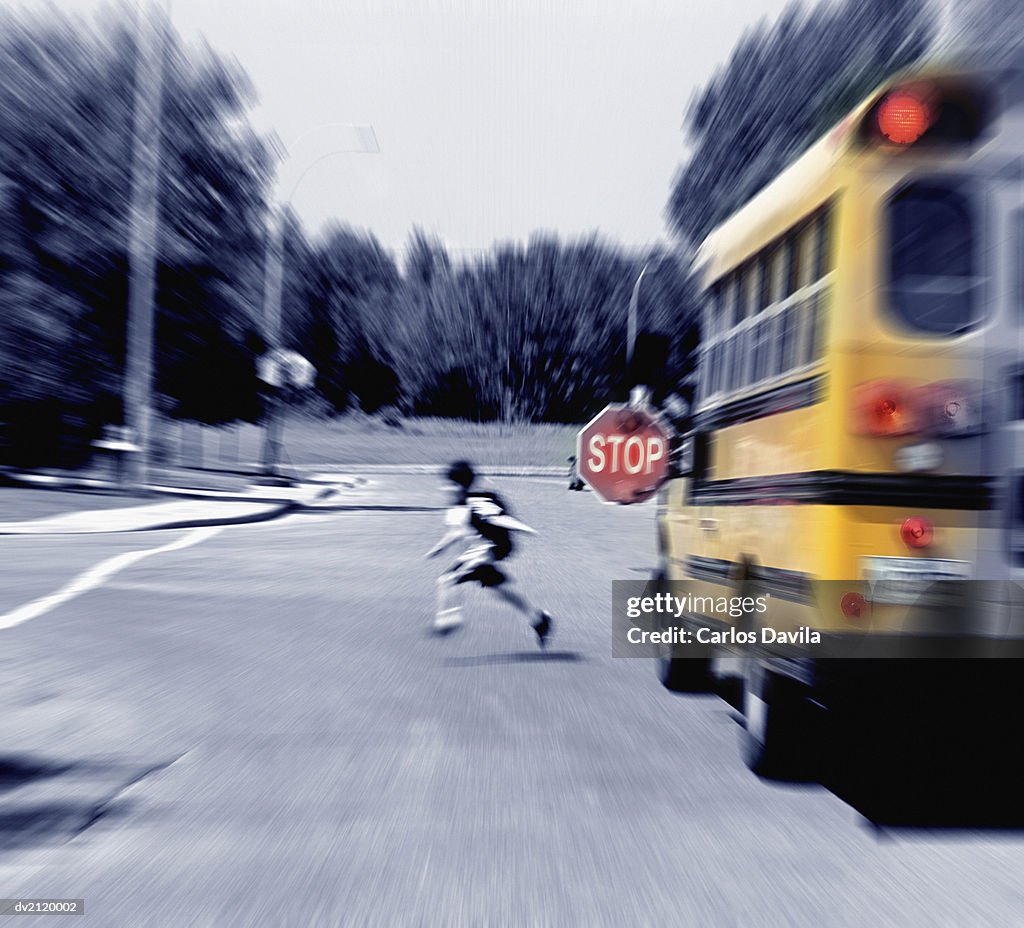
458	526
450	537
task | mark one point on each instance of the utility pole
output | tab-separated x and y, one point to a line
151	32
273	277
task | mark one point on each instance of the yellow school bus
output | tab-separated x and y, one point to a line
856	435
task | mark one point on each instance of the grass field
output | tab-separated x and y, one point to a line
365	440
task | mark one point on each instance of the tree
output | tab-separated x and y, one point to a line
782	88
65	143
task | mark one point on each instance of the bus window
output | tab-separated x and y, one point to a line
721	374
813	316
754	336
774	361
740	357
731	307
788	337
823	243
932	278
792	264
750	287
712	308
760	339
706	369
777	273
711	358
764	292
805	248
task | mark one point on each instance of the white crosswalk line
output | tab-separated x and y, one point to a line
98	574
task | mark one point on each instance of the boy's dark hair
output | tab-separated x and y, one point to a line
461	472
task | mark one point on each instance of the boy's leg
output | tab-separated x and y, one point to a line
539	620
515	599
449	604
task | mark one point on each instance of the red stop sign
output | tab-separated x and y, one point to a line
623	454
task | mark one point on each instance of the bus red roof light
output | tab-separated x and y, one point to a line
903	117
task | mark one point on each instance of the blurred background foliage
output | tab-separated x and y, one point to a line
66	125
525	332
783	87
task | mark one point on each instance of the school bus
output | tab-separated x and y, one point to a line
858	429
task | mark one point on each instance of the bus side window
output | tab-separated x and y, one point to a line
741	359
776	362
779	272
823	243
787	338
791	264
764	296
731	308
722	361
806	250
713	309
707	379
812	320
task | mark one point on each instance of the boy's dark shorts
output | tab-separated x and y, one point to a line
484	574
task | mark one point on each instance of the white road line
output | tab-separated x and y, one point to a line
98	574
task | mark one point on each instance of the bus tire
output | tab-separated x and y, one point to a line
681	674
774	739
685	674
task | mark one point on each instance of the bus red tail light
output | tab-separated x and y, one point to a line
853	605
917	532
950	408
885	408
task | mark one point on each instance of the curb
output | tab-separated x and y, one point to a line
269	513
483	470
274	507
278	510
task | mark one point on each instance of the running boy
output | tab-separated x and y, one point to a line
478	521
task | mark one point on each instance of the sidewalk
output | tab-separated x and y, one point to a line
69	505
191	498
74	504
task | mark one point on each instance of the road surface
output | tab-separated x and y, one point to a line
250	727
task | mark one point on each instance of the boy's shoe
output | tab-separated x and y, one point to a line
446	622
543	628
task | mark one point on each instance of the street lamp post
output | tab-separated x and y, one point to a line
638	394
634	302
362	140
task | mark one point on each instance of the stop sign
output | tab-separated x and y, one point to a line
623	454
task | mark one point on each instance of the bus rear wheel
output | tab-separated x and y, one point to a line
685	674
776	741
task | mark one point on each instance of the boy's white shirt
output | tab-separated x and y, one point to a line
457	518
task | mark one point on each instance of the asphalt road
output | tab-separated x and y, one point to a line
255	730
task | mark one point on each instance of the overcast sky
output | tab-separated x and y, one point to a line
494	119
